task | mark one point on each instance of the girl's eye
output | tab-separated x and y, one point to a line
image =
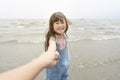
62	22
56	23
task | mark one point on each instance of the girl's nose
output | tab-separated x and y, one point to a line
60	24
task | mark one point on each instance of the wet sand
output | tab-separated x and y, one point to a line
90	60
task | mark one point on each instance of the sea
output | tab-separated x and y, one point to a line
34	30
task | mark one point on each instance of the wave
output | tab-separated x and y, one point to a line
42	39
97	38
96	63
105	37
22	42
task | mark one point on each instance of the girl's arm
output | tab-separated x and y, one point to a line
52	44
31	70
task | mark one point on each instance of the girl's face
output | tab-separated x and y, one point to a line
59	26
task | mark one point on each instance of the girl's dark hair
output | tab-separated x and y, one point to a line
57	16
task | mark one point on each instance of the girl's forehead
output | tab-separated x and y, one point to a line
60	20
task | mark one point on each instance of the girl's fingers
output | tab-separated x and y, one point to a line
57	56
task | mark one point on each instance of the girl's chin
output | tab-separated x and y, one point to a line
60	33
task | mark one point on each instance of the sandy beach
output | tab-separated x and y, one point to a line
90	60
95	60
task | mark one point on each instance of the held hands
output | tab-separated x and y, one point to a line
52	59
51	56
52	53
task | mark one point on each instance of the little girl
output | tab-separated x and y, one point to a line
58	27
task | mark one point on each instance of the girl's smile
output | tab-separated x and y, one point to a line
60	27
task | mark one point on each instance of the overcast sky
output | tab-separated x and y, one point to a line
77	9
